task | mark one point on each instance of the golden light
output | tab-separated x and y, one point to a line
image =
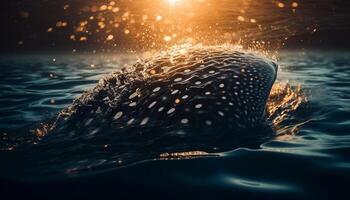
167	38
172	1
110	37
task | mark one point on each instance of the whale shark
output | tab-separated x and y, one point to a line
196	98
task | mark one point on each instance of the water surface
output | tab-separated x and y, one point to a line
309	160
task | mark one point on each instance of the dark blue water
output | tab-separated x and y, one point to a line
310	158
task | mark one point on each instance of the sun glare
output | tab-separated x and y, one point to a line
172	1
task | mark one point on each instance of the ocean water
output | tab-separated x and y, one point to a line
308	158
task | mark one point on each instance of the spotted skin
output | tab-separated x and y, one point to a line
202	91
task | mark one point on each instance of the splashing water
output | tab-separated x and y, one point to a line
283	101
147	24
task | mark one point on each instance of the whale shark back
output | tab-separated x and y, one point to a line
189	99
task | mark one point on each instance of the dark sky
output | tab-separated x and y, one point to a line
320	23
